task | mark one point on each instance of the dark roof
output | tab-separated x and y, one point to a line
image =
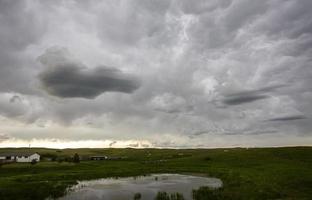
17	153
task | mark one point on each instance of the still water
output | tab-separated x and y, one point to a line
148	186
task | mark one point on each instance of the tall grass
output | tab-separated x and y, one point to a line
165	196
254	173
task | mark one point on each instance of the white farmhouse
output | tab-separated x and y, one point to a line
19	157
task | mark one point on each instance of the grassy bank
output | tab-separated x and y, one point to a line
257	173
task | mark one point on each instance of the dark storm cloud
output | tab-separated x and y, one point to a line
241	99
70	80
249	96
65	77
287	118
185	53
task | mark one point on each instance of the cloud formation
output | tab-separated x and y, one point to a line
3	137
287	118
20	28
240	99
66	79
249	96
171	72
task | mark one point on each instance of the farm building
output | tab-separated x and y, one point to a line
19	157
98	157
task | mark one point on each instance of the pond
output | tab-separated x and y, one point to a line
147	186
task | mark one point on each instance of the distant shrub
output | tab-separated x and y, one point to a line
33	161
137	196
76	158
51	156
207	158
68	159
61	159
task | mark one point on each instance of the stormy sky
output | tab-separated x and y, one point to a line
162	73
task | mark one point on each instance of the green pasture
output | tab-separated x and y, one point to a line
254	173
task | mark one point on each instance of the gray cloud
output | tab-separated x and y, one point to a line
15	98
249	96
241	99
234	131
68	79
134	145
71	81
20	28
141	20
3	137
287	118
112	143
192	59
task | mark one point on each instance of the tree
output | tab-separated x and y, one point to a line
76	158
33	161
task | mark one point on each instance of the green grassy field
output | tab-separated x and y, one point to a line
255	173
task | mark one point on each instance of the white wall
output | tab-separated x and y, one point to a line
35	156
29	158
